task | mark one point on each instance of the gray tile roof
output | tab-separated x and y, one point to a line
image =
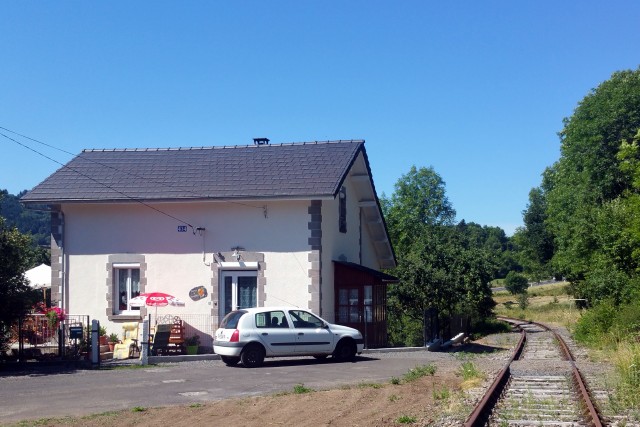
300	170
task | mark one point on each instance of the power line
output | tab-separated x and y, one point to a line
170	184
100	183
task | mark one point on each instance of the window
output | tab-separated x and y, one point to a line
238	290
348	305
271	319
303	319
342	207
126	286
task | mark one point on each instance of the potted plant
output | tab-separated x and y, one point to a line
192	344
102	332
113	340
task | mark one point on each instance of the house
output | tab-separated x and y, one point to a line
220	228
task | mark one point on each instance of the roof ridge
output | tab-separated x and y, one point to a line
219	147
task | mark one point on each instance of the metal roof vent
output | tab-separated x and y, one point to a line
261	141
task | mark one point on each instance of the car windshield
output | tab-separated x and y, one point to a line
231	320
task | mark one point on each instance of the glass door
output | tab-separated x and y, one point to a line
239	289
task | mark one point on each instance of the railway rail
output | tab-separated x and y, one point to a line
539	386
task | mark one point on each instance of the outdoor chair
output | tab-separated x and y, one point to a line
161	339
129	344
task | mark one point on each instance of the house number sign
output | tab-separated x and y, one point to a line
182	229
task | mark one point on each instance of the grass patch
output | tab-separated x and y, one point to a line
468	371
394	398
419	372
301	389
196	405
395	380
547	303
370	385
406	419
441	393
138	409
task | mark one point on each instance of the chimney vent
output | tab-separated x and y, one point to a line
261	141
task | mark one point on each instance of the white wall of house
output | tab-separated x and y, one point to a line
342	246
175	259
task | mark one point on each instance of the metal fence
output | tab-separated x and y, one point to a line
36	337
194	324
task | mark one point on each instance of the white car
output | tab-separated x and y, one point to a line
249	335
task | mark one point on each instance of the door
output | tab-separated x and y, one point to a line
274	331
238	289
311	336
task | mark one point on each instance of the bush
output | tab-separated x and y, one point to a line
595	323
516	283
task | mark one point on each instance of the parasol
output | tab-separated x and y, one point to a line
155	299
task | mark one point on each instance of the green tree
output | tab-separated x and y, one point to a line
590	192
35	222
534	241
16	296
419	199
440	265
516	283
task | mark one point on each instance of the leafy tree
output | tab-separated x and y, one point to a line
28	221
516	283
495	241
16	296
591	193
535	242
442	265
419	199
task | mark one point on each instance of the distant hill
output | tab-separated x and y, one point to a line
27	221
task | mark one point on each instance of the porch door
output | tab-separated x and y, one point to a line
238	289
355	306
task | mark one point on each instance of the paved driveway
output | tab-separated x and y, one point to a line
54	393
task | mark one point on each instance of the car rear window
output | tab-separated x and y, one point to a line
231	320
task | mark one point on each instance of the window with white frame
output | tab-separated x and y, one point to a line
126	286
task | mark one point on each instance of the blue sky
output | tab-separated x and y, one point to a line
477	90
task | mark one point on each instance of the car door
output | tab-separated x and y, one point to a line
312	337
273	329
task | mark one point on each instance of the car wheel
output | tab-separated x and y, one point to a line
345	351
252	356
229	360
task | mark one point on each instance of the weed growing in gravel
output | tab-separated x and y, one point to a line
419	372
138	409
196	405
441	393
395	380
468	370
405	419
394	398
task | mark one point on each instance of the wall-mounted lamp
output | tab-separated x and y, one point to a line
236	252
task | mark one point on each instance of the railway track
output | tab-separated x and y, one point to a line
539	386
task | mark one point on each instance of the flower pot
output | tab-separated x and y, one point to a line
192	349
111	346
103	340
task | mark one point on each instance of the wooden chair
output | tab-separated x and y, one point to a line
177	336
